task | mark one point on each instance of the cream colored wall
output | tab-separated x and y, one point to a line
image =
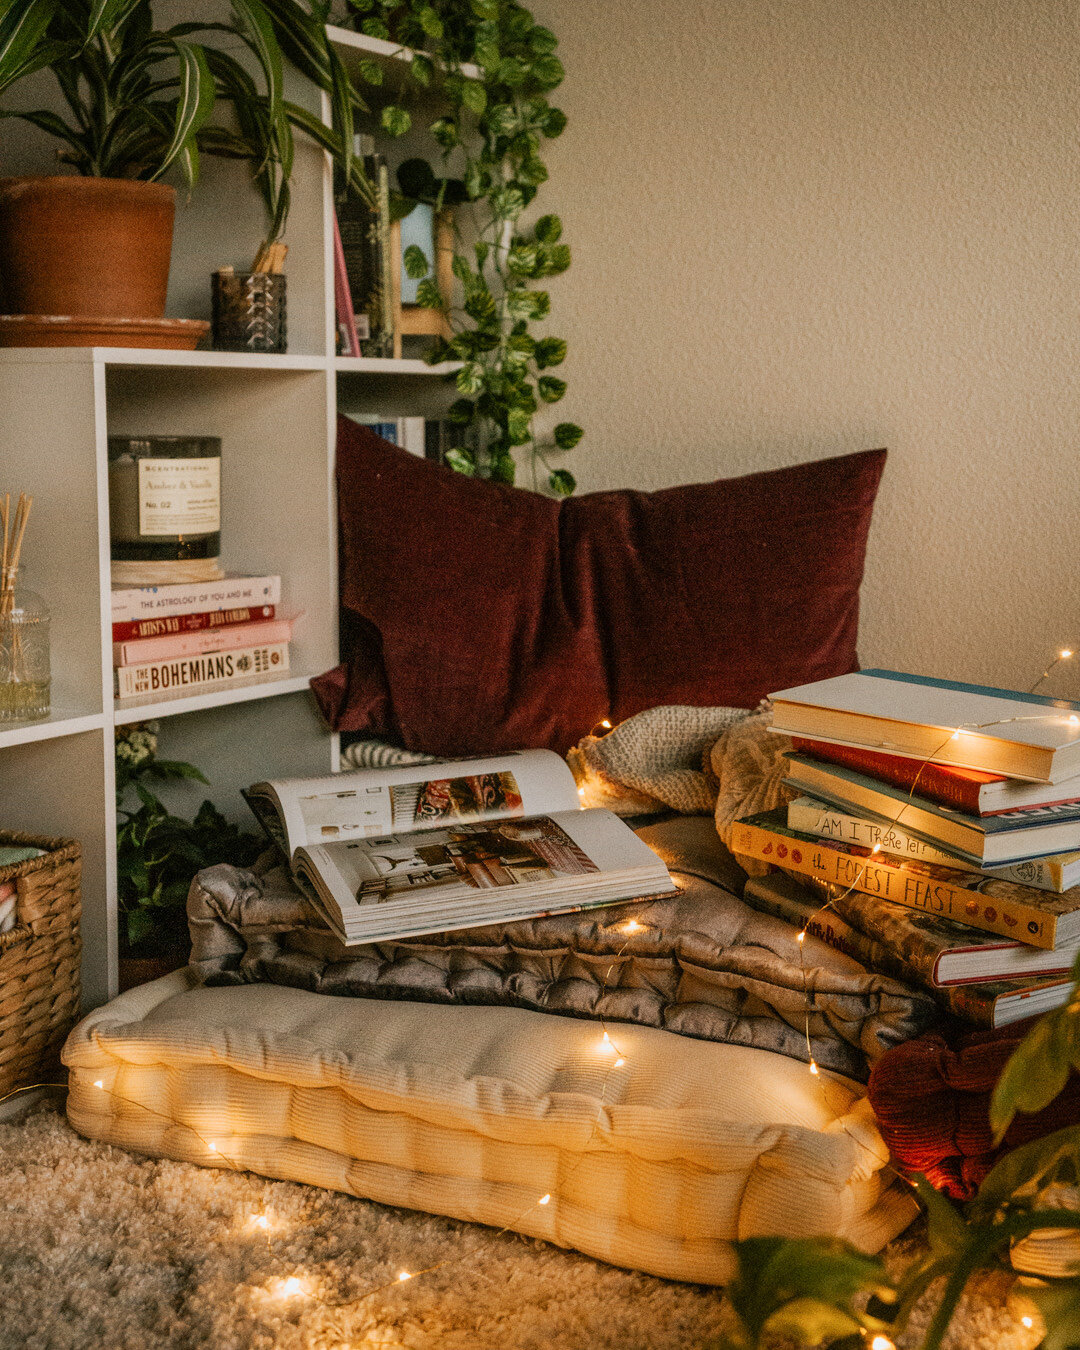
804	227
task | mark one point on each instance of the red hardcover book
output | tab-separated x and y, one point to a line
169	625
971	790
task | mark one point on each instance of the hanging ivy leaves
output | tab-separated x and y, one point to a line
415	262
487	151
395	121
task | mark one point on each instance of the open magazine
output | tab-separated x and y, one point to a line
399	852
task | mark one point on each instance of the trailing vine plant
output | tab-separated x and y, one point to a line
488	140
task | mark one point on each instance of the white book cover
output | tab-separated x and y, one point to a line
426	848
188	674
197	597
974	726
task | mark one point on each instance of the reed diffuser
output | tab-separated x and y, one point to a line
24	626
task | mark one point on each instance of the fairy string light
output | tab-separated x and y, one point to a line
293	1286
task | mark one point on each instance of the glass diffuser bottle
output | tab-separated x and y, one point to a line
25	681
25	685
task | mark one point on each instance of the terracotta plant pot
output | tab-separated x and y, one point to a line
85	246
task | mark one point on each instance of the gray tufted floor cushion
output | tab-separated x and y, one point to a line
701	964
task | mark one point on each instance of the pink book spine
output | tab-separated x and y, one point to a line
144	650
342	297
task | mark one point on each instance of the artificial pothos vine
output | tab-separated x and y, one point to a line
488	140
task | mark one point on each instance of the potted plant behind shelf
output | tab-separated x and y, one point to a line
158	854
137	104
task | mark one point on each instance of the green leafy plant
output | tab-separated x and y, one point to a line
807	1289
804	1290
139	100
158	853
488	138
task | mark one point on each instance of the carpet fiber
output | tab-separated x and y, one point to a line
103	1250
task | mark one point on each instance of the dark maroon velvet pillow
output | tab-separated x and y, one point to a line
482	617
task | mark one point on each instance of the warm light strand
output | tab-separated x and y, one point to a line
292	1286
1065	654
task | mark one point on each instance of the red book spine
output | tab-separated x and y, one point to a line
171	624
958	788
342	297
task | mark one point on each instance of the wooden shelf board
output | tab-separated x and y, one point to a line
386	365
382	50
147	707
61	722
144	356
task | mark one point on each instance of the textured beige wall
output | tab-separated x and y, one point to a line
803	227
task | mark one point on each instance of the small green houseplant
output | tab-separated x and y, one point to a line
158	852
138	101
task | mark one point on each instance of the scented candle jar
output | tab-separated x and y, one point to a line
165	498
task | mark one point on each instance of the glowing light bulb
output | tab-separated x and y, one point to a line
801	937
814	1068
620	1062
955	736
212	1146
100	1084
1065	654
403	1276
631	926
882	1343
544	1200
606	723
1074	720
291	1287
1025	1321
581	792
607	1039
876	848
260	1221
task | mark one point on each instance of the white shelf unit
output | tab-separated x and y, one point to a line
276	416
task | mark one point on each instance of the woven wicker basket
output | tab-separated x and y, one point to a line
39	960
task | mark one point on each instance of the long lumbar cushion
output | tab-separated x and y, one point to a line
657	1163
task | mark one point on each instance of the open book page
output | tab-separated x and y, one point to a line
479	872
374	803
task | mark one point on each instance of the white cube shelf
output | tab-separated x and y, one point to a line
276	416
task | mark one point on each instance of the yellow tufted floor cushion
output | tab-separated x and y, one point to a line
477	1112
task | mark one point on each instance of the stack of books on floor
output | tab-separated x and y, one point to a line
181	639
940	823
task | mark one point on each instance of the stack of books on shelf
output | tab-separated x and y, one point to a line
429	437
174	640
376	298
940	825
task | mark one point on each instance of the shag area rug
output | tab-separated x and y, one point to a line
105	1250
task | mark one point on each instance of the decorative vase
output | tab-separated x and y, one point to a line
85	246
249	312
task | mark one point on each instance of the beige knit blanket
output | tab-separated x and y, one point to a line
699	761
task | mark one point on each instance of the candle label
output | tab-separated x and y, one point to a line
179	496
